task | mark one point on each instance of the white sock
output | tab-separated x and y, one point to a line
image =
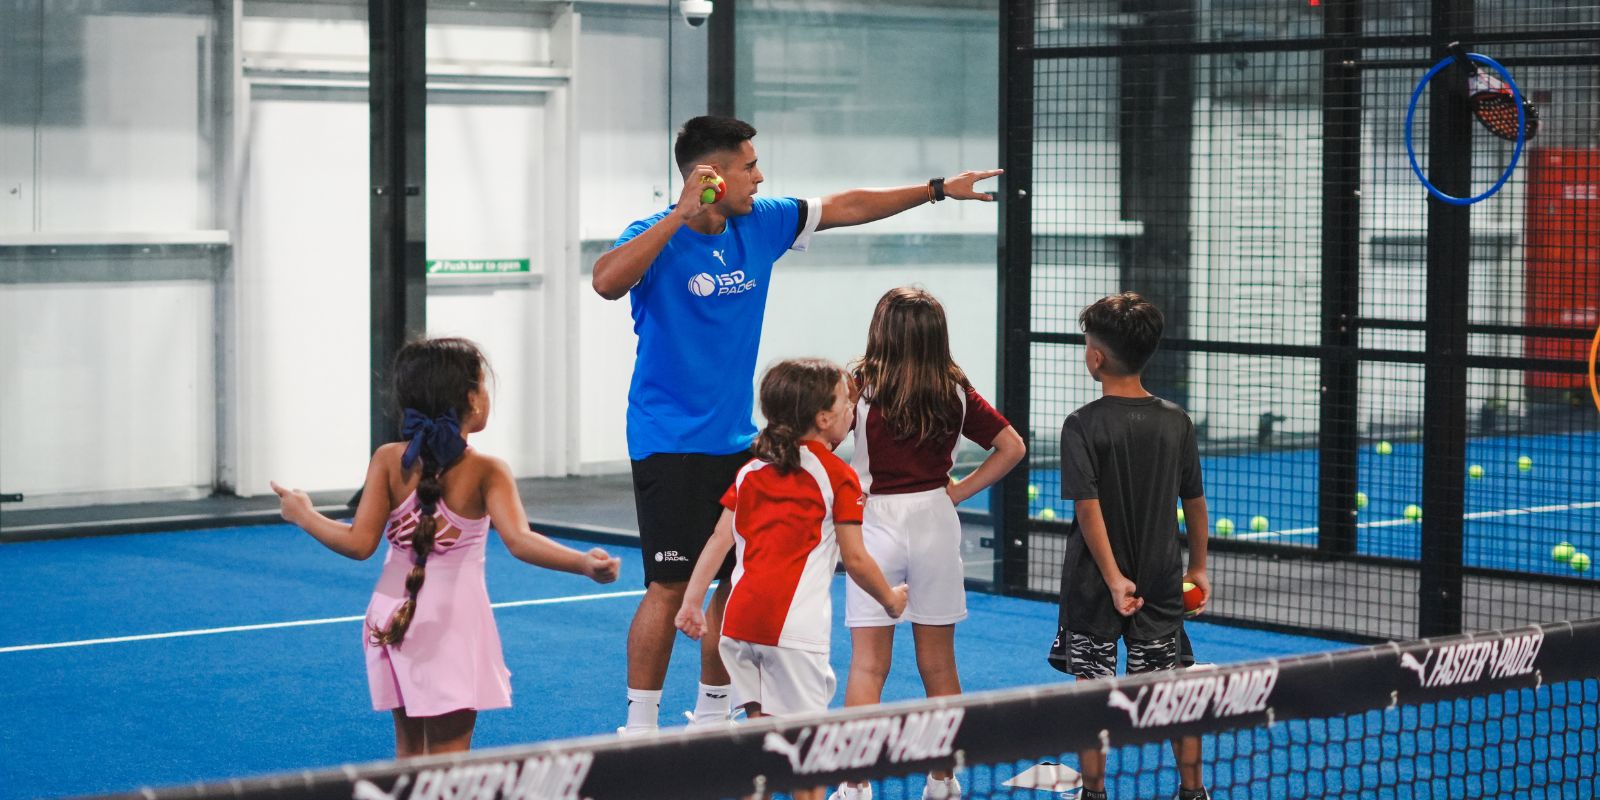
644	710
712	705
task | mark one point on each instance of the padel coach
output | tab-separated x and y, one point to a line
697	275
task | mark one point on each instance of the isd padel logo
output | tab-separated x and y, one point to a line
707	285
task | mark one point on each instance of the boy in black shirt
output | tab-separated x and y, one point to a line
1124	457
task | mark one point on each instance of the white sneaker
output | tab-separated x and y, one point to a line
947	789
848	791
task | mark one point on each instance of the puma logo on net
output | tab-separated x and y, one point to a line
539	778
706	285
1465	663
863	743
1188	699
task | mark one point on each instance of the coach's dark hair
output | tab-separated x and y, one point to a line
702	136
793	393
907	373
1127	326
432	376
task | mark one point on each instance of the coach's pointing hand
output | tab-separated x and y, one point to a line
959	187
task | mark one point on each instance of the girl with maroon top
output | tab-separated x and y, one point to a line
915	406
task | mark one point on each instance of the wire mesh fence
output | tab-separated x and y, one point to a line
1390	390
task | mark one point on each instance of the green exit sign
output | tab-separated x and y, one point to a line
478	266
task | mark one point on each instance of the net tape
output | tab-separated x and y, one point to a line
902	738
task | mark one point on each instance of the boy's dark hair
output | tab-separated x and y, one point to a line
1127	326
702	136
793	393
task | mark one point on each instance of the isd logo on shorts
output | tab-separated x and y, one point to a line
706	285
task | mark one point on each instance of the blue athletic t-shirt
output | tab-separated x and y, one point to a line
698	313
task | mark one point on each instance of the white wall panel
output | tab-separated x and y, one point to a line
121	147
107	387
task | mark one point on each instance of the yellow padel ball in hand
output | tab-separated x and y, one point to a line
715	187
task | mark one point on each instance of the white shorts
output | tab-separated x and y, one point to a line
783	680
916	540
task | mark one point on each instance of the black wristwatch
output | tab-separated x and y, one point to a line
937	185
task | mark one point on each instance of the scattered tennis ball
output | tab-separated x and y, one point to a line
1384	448
1033	491
1579	562
1180	516
1258	523
1413	513
1563	552
1361	499
1224	527
1047	513
1475	471
1524	463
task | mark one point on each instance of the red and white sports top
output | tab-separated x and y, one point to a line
783	535
888	465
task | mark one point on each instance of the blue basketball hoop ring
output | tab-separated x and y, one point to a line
1522	130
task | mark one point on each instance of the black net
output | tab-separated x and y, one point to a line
1391	390
1504	714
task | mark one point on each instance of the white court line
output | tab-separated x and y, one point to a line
543	601
1389	523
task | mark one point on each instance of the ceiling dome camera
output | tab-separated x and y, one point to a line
695	12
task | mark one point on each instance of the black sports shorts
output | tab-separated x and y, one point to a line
679	498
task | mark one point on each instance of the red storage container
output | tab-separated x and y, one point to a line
1563	257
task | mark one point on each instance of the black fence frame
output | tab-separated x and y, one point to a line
1446	358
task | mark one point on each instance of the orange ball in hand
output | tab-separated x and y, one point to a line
1192	598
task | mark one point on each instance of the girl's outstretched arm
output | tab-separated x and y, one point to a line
511	521
1007	453
357	539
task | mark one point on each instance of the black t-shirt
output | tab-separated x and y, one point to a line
1137	456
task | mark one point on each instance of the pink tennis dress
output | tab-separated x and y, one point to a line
450	659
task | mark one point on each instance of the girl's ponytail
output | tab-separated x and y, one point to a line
779	446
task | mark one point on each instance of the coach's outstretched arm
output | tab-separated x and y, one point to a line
860	206
621	267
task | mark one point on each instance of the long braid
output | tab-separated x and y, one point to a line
429	491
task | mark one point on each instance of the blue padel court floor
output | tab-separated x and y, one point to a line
1514	516
203	655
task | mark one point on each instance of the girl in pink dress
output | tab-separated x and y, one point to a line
433	653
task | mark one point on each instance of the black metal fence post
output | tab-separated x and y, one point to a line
1444	400
397	101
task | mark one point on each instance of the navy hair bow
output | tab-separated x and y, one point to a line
441	435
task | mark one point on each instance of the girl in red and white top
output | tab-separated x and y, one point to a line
791	514
915	406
